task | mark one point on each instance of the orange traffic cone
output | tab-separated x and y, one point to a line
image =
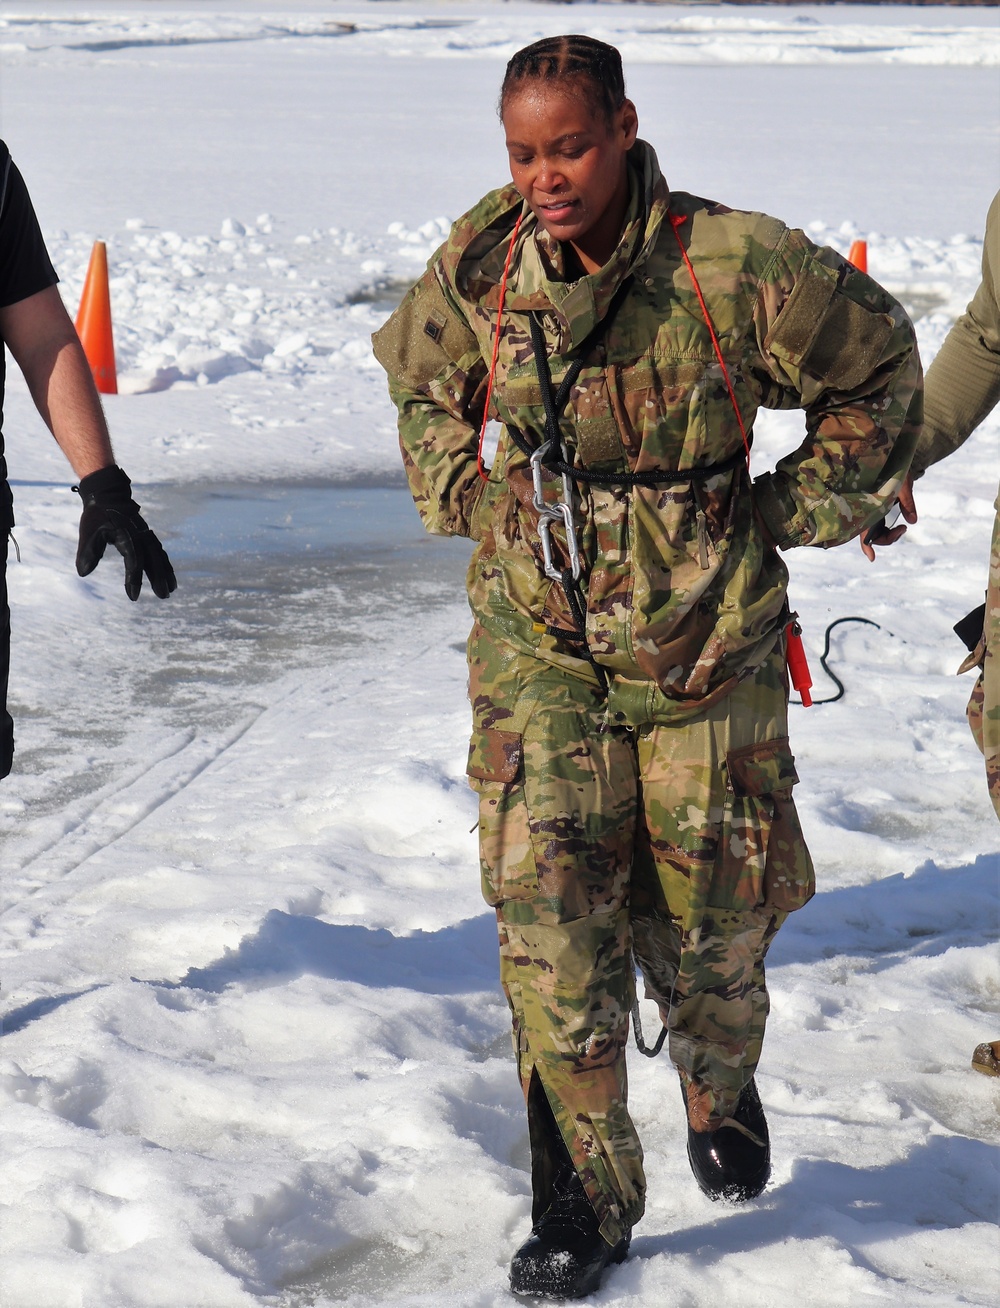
859	255
93	322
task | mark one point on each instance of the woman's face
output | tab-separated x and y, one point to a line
568	162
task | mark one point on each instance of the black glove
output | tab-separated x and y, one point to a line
111	516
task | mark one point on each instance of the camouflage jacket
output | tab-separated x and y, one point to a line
963	386
963	382
683	596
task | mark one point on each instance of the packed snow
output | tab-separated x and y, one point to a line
254	1049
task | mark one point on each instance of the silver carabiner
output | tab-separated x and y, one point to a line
536	476
554	511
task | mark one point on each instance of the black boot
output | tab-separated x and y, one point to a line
728	1164
565	1255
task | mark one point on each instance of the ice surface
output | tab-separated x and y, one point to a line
254	1051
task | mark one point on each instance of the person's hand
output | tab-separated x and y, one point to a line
879	534
111	517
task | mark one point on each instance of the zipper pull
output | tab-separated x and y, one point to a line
702	538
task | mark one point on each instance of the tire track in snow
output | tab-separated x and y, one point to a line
47	881
121	807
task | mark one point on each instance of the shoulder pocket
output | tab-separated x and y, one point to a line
797	325
425	337
829	335
848	349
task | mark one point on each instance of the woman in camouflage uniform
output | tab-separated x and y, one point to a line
627	670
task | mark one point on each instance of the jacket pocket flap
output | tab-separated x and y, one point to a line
798	324
762	769
495	755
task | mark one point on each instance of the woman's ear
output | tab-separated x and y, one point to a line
628	123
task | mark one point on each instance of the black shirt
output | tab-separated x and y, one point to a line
25	269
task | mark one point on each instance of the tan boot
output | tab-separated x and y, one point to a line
986	1058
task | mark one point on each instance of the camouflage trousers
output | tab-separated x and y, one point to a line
679	842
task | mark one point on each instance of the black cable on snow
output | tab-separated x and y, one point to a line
832	699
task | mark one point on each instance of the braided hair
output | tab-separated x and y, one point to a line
576	59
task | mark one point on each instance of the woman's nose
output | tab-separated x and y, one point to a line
549	178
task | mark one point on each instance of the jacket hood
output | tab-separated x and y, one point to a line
474	256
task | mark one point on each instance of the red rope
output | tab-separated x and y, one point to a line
496	348
676	221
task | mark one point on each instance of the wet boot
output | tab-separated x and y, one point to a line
733	1162
565	1255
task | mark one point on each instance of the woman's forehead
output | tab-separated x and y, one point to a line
550	111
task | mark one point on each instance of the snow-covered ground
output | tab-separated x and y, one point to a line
254	1051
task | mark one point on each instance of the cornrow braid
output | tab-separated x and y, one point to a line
569	59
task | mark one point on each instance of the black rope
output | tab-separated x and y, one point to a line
650	478
578	612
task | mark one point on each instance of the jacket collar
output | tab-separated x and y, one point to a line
534	282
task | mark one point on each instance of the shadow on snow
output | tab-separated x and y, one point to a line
945	1183
454	960
917	916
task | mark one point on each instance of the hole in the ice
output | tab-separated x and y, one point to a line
273	577
920	304
383	296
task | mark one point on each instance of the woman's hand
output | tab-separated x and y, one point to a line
878	535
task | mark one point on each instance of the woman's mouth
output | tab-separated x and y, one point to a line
558	211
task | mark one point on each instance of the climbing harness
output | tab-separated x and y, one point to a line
553	457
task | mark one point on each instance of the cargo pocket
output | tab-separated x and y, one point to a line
506	859
762	857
